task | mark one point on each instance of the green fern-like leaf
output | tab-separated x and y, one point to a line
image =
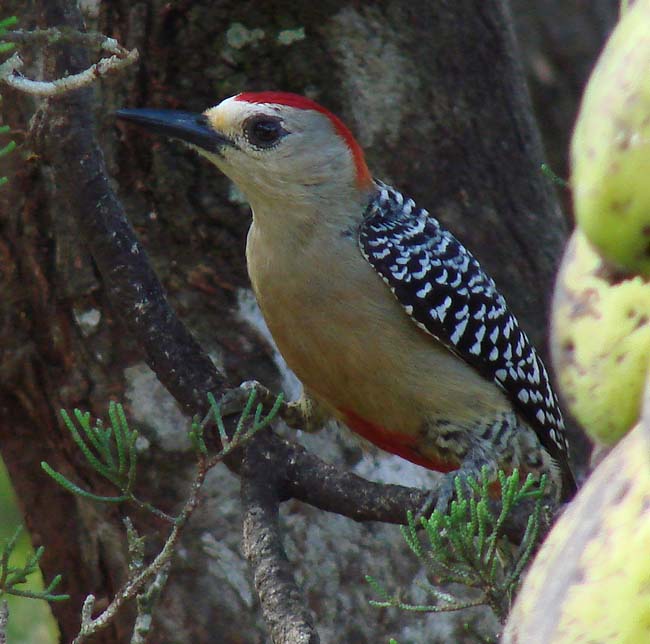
110	451
13	576
466	546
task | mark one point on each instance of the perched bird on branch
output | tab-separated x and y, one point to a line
389	322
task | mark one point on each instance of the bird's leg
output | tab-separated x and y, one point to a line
306	413
440	499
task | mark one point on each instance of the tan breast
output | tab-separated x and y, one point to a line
349	341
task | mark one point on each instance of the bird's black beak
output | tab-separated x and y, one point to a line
191	128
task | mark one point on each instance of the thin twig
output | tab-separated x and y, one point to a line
146	602
133	586
54	35
9	75
159	568
10	66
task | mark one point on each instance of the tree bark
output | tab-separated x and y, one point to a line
560	41
436	95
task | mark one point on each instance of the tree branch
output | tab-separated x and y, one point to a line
283	604
9	70
65	136
9	75
53	36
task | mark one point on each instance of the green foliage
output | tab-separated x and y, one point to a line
109	450
29	622
554	178
466	546
240	435
13	576
4	48
5	23
5	150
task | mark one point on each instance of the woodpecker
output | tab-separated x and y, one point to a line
389	322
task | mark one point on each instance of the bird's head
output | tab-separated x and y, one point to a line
275	146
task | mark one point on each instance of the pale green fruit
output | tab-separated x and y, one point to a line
590	582
600	342
610	151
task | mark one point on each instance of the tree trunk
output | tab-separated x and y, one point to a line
560	41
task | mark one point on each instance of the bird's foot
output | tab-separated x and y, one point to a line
438	500
234	401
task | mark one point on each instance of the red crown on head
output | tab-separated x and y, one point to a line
303	103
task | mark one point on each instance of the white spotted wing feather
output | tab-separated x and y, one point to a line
443	288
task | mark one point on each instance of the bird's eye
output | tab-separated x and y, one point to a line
264	131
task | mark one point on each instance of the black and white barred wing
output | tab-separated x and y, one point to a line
443	288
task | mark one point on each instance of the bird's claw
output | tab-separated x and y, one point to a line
234	401
438	500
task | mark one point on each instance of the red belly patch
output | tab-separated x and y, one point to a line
401	444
